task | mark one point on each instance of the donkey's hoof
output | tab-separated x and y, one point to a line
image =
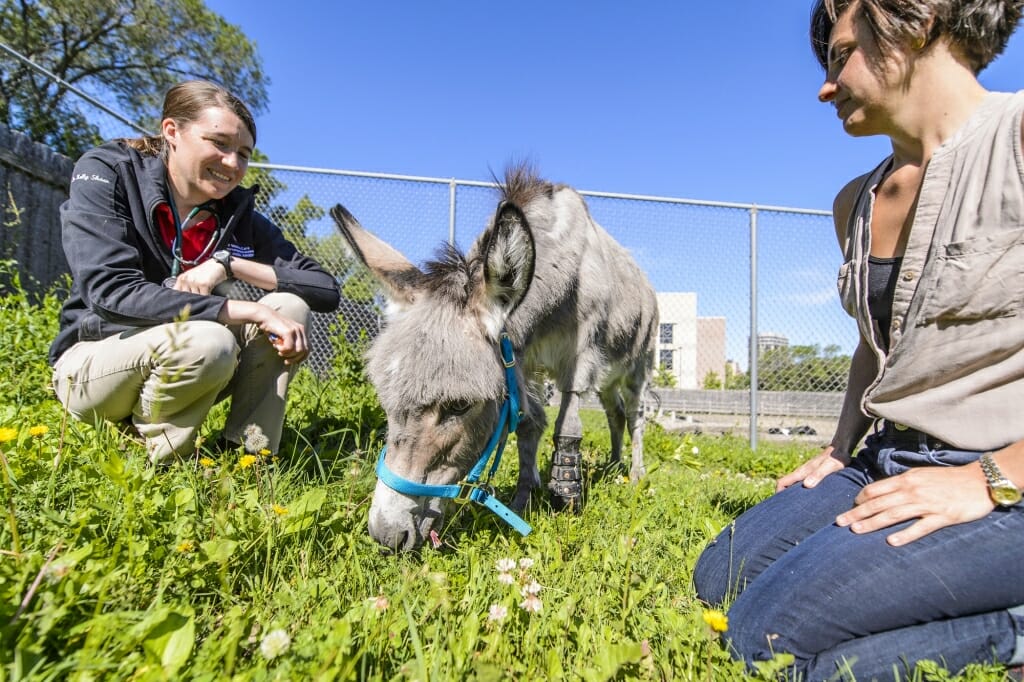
566	481
566	495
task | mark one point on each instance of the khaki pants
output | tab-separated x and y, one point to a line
166	379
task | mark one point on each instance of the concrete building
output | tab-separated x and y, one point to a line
710	348
688	346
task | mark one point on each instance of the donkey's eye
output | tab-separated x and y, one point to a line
456	408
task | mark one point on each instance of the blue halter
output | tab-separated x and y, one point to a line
470	490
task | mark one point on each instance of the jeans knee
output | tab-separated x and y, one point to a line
712	574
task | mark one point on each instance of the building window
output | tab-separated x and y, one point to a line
665	333
665	357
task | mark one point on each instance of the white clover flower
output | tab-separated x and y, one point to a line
505	565
532	604
525	563
506	578
531	589
380	603
274	644
497	613
695	450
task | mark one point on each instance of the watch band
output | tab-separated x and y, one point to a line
224	258
1000	488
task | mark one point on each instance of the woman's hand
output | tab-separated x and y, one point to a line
202	278
811	472
287	336
936	496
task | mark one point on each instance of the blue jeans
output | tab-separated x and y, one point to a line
840	601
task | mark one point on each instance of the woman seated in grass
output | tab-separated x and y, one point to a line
914	548
152	229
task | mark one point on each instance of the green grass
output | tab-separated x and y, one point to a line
110	570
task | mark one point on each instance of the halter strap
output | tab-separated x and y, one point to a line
470	490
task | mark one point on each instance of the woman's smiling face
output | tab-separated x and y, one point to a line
207	157
862	82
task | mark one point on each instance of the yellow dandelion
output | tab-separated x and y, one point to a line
246	461
206	462
186	546
279	510
264	452
38	431
7	434
716	620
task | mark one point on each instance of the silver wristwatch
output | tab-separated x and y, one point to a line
1001	489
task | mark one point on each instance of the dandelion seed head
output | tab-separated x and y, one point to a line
695	450
275	643
253	439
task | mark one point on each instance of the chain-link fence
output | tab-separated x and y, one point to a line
747	293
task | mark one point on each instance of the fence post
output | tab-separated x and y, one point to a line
753	327
452	185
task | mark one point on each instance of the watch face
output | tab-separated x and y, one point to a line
1006	495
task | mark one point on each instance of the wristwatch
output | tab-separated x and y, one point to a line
1001	489
224	258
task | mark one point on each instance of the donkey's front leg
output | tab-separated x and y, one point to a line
566	482
527	440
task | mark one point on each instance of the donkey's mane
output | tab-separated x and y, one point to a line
522	185
448	275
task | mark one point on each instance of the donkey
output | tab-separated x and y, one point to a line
573	303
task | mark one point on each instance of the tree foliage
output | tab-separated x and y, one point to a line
803	368
126	51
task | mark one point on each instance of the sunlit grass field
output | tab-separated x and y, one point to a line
233	566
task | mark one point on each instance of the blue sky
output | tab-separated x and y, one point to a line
714	101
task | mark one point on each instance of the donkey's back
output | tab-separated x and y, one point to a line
588	321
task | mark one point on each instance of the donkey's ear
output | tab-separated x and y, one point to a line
400	278
509	256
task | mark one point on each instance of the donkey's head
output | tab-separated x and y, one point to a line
436	364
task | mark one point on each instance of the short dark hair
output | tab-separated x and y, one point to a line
980	28
185	102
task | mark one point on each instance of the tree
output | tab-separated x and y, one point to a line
803	368
128	51
711	381
663	377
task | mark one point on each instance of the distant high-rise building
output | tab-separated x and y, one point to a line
770	341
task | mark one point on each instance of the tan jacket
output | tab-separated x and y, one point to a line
955	368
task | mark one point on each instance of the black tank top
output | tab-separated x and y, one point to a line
882	274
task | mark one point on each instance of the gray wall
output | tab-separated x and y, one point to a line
34	182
